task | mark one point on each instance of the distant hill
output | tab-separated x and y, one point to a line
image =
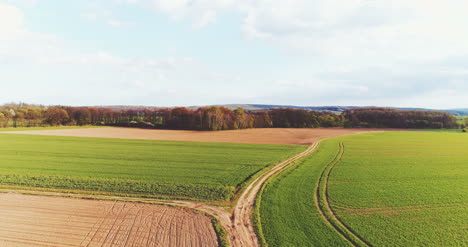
337	109
458	112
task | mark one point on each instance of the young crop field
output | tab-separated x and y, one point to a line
374	189
288	213
206	171
445	130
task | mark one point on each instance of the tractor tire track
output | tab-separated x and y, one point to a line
323	203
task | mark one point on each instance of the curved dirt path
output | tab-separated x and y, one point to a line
243	232
324	207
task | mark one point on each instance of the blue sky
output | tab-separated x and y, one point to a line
408	53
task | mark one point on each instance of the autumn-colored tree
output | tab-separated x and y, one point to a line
391	118
7	115
2	118
82	116
34	116
55	116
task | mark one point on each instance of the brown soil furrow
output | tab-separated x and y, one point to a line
34	242
95	238
115	218
145	241
124	224
27	242
199	235
169	229
131	230
62	235
118	234
160	237
141	229
26	225
98	223
155	222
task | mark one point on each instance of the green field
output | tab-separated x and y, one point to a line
207	171
387	189
444	130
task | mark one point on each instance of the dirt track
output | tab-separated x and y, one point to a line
244	232
258	136
51	221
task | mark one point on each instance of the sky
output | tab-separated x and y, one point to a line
403	53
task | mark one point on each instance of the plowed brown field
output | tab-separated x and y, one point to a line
258	136
27	220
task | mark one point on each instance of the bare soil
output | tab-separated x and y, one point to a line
257	136
28	220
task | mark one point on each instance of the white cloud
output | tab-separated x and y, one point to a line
106	16
200	12
125	1
90	16
436	99
24	3
11	20
353	29
366	31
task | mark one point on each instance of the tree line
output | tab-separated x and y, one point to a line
218	118
392	118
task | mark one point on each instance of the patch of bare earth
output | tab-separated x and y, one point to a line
28	220
257	136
